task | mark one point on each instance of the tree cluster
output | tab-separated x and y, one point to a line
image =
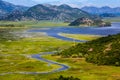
103	51
65	78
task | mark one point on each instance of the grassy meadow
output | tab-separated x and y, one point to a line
85	71
29	24
20	63
80	36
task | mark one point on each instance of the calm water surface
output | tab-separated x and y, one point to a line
103	31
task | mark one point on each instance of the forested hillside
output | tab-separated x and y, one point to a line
103	51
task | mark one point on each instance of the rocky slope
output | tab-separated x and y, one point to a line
51	12
89	22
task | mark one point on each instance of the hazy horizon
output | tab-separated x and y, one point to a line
75	3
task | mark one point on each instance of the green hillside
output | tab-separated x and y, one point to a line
102	51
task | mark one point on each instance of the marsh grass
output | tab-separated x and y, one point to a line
30	24
86	71
80	36
12	60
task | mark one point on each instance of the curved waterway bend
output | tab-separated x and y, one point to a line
39	57
102	31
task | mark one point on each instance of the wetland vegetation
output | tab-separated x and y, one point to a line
60	41
16	48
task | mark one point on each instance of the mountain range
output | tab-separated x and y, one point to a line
6	8
101	10
46	12
51	12
9	11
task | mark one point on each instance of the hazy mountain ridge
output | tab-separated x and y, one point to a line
101	10
62	12
6	7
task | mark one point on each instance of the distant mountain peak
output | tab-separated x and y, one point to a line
64	5
39	5
47	5
50	12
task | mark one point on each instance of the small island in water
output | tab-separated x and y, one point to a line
84	21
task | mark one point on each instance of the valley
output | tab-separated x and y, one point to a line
59	40
15	54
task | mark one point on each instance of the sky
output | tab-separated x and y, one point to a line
73	3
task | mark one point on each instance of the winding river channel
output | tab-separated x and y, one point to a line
53	32
39	57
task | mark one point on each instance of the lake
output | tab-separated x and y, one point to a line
102	31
